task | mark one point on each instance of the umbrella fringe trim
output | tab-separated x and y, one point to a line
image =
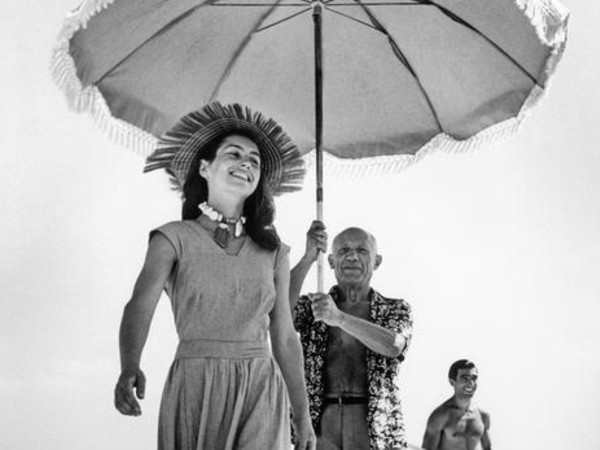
548	17
89	99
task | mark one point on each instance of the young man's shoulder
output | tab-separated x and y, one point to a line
440	414
485	416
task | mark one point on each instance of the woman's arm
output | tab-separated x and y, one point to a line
136	320
288	354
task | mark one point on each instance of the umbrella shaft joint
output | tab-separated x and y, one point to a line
317	7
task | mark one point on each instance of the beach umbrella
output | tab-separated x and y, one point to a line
372	85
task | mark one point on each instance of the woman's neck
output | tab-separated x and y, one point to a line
230	208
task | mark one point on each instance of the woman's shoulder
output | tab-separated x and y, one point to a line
179	233
176	225
276	256
282	251
175	229
283	248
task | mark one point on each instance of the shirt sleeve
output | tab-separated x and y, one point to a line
396	315
303	313
404	324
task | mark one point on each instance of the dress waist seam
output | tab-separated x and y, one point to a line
205	348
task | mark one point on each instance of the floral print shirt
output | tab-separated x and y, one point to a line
385	421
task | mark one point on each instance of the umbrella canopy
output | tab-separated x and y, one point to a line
374	82
399	77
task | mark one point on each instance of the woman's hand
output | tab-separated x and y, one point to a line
307	440
125	401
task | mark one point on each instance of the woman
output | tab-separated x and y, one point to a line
227	276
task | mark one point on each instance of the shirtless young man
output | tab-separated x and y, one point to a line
458	424
354	340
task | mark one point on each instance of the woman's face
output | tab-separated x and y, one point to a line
236	166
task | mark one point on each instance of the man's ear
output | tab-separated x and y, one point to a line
378	259
330	261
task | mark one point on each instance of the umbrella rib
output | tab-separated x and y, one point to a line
214	3
402	58
325	3
183	16
239	51
405	3
285	19
303	3
466	24
347	16
451	15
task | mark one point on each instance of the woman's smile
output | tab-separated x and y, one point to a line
242	174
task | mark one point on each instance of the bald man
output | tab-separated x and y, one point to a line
354	340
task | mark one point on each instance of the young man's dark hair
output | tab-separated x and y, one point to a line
460	364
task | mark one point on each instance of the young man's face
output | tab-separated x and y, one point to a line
465	383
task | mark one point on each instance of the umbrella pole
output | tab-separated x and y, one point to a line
317	9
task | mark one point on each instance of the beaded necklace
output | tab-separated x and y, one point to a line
221	233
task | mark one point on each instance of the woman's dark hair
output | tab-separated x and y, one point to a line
259	207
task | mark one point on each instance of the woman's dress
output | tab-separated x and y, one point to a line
224	390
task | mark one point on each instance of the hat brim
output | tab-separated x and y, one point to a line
282	167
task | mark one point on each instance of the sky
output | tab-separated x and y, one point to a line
497	250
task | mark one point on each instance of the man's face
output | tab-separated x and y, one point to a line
353	258
465	384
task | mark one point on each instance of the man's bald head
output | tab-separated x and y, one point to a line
356	231
354	257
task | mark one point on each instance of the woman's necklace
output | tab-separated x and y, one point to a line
221	233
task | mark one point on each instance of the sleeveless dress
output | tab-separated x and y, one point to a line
224	390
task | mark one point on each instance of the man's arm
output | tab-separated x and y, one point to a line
316	240
297	277
486	442
377	338
433	432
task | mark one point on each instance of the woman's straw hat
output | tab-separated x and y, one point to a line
282	167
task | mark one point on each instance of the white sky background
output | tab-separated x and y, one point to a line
497	250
